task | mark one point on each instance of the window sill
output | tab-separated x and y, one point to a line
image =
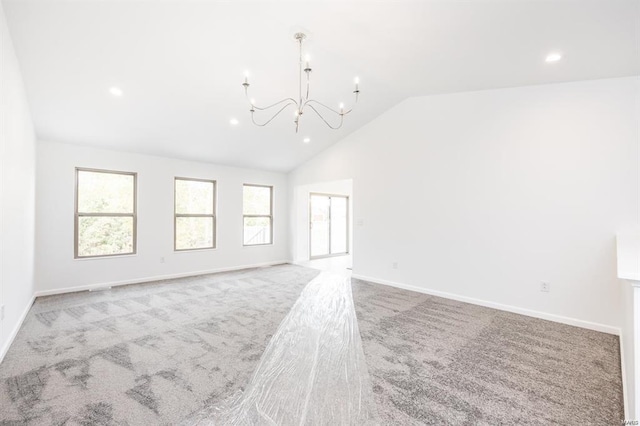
195	250
112	256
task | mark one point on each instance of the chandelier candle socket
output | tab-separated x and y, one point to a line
303	102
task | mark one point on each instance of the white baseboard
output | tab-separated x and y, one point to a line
509	308
16	328
153	278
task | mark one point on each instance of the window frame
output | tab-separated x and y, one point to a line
270	215
78	215
176	215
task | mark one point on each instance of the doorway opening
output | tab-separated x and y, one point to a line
328	225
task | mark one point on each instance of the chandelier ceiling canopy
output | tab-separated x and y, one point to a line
302	102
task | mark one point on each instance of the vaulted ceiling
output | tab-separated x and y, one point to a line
180	64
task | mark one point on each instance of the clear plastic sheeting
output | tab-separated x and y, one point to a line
313	371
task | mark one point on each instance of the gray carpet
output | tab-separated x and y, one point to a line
440	362
157	353
145	354
313	372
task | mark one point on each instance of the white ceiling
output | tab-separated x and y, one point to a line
180	64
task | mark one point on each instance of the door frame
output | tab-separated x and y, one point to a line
348	212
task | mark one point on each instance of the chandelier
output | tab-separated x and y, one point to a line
303	101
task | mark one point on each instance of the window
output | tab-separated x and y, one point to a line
195	214
257	201
328	225
105	216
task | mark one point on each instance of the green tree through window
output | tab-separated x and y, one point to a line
257	214
105	216
195	220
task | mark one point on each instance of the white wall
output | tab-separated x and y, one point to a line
17	199
56	268
299	201
483	195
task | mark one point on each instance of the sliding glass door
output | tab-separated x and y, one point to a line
328	225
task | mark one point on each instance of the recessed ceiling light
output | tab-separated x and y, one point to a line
306	140
115	91
234	121
553	57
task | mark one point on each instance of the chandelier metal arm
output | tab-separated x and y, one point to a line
310	101
274	116
270	106
325	121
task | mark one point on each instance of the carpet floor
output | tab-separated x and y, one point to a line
441	362
160	353
146	354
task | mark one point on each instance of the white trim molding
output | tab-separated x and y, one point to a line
508	308
636	341
623	370
15	330
98	286
628	262
630	353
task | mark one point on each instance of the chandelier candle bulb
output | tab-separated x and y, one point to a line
246	82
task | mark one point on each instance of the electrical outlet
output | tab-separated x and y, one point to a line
162	260
2	312
545	287
394	265
360	222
